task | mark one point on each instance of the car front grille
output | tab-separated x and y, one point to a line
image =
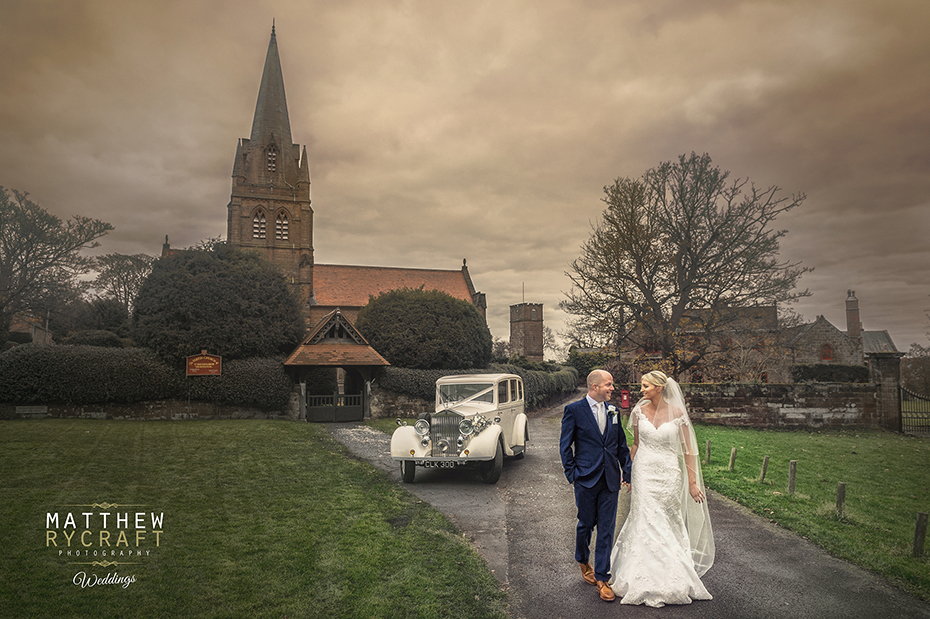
444	432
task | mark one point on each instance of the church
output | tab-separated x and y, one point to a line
270	211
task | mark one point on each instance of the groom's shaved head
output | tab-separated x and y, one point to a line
597	377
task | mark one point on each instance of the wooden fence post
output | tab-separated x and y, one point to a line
792	473
920	535
733	458
765	467
707	453
840	499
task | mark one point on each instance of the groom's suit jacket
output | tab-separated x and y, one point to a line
587	453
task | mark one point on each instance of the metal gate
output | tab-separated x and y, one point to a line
330	408
915	413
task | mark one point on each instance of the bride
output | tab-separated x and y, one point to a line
666	543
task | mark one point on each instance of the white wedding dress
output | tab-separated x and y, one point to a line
652	561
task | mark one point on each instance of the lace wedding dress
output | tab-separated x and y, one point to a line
653	561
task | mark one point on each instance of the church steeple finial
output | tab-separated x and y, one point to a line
272	26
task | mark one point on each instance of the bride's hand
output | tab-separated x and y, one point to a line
696	493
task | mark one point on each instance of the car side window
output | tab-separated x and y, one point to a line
514	392
503	395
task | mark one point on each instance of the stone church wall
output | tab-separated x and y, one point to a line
789	406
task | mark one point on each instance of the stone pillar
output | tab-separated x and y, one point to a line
885	371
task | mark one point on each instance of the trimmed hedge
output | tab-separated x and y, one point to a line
829	373
106	339
81	375
538	386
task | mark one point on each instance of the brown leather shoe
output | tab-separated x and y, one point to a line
606	593
588	574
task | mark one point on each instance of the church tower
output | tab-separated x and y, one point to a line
526	330
269	209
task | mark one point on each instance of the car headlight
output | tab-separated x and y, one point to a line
421	427
466	427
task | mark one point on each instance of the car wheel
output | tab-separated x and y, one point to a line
408	469
526	445
491	471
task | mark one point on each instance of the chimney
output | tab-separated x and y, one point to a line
853	326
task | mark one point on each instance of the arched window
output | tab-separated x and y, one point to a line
258	225
280	227
826	353
272	158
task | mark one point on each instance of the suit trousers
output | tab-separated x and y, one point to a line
597	507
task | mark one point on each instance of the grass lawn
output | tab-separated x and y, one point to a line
887	478
260	519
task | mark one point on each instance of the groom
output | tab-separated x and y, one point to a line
594	450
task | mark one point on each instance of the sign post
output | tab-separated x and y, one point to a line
204	365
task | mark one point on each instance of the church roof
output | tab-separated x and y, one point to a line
351	286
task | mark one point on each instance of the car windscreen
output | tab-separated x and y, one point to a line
477	392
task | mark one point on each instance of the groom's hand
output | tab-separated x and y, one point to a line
629	487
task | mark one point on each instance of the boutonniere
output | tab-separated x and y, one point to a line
612	410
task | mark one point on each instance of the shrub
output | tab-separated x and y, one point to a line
106	339
32	374
260	382
584	362
80	375
232	303
425	329
538	386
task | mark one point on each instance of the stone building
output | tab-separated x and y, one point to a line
752	346
526	330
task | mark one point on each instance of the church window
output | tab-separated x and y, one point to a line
280	227
272	159
258	226
826	353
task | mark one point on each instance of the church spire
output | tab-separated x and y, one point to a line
271	121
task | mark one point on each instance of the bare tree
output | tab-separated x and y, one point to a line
39	254
674	251
120	276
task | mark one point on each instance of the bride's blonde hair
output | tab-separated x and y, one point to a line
657	378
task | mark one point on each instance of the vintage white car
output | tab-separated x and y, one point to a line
478	420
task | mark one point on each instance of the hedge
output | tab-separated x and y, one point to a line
107	339
79	375
538	386
829	373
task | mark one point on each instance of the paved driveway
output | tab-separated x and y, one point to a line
524	528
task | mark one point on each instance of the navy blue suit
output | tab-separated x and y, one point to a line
593	462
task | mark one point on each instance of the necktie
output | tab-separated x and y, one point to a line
601	419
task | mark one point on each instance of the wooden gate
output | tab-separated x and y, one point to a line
331	408
915	413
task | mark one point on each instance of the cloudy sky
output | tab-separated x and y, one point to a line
438	131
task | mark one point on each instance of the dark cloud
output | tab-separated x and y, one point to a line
487	130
